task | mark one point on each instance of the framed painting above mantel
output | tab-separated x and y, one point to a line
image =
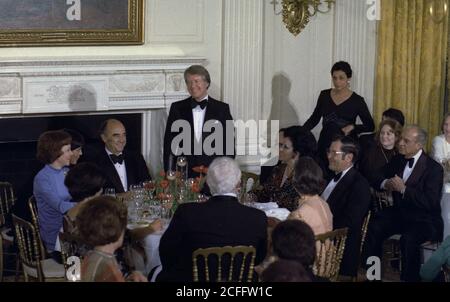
71	22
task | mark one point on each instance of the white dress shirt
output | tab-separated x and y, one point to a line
121	170
407	171
198	115
332	184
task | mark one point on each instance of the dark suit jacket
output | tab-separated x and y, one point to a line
182	110
349	203
135	166
220	221
421	202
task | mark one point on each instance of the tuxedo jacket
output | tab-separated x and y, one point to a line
218	113
135	167
220	221
349	203
421	201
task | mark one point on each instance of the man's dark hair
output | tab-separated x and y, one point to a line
395	114
349	146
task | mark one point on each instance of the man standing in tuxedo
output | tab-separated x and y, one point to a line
415	180
190	123
348	195
122	168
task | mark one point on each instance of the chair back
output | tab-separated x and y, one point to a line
7	201
29	247
364	227
228	263
71	245
330	249
35	219
245	177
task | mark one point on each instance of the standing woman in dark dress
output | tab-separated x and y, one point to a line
339	107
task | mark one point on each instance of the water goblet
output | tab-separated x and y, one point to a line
110	192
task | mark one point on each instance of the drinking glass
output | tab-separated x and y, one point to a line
150	186
182	167
110	192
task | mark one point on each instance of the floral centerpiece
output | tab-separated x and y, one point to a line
170	188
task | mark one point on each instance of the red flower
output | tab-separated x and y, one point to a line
164	183
162	173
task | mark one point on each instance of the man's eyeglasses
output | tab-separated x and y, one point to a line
334	152
284	146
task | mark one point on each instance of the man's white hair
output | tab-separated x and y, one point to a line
223	176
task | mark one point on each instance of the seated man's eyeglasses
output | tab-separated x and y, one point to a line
334	152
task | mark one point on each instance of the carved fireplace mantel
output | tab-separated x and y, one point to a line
47	85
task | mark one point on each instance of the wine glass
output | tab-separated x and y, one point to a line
182	167
150	187
171	175
110	192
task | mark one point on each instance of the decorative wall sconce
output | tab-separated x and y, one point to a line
438	9
296	13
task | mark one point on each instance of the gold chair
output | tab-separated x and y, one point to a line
223	261
71	245
330	249
35	219
364	231
245	177
7	202
33	263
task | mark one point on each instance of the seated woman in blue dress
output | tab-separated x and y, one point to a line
52	197
295	142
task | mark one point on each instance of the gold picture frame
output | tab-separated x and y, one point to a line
71	22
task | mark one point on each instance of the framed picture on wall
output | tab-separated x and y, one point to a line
71	22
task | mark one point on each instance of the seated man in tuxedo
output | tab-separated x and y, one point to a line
220	221
122	168
190	122
348	195
415	180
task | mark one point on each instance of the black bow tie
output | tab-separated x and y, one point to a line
116	158
202	104
410	162
337	177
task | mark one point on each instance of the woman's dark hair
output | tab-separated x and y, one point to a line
102	221
284	270
294	240
308	177
342	66
49	145
84	180
303	141
77	138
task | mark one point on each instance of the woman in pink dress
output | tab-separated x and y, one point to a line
309	183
